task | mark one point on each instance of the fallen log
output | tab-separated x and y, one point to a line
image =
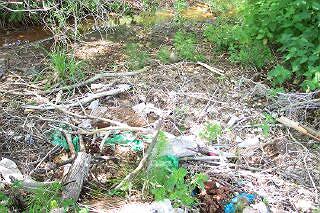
78	172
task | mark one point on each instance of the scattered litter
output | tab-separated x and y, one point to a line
250	141
126	138
97	86
85	124
163	206
144	109
304	205
261	207
9	170
214	197
233	120
57	138
29	139
239	201
239	139
181	146
93	105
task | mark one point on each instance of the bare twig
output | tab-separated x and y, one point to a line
95	78
302	129
212	69
69	141
83	101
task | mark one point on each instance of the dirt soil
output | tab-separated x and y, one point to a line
282	168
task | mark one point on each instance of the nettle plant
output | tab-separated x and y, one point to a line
293	25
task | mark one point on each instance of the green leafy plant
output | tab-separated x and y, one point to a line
167	180
291	26
137	57
186	45
45	198
265	126
254	53
223	7
211	131
221	35
65	66
164	55
241	48
5	202
179	6
279	75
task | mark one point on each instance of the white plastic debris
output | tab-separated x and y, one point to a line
182	146
250	141
85	124
261	207
97	86
249	209
304	205
8	169
239	139
233	120
94	105
143	109
159	207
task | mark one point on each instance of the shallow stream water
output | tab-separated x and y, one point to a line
18	36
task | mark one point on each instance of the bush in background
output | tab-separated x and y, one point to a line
293	26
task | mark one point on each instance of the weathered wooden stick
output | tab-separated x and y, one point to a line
300	128
83	101
95	78
212	69
76	176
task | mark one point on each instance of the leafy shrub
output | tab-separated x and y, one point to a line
186	44
164	55
137	57
179	6
41	199
241	48
66	67
279	75
167	180
254	53
222	36
223	7
294	27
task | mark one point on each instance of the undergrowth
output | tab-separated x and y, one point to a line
41	199
211	131
164	55
66	68
294	27
290	27
137	57
240	47
186	46
166	180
